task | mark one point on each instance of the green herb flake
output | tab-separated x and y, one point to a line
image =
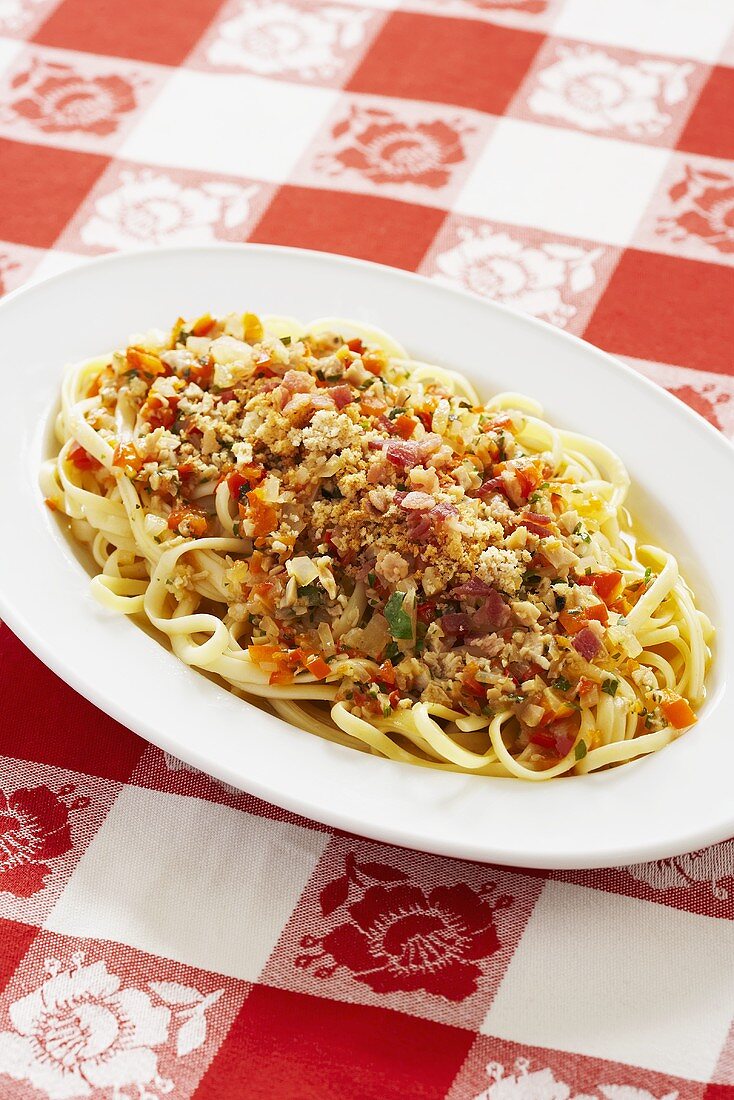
610	686
285	340
561	684
311	593
648	575
581	750
398	620
371	580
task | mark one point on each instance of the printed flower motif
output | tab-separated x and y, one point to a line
706	401
57	99
152	208
401	938
541	1084
34	828
79	1032
707	865
595	91
704	208
532	279
384	149
270	38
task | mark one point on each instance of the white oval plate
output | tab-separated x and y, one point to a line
682	472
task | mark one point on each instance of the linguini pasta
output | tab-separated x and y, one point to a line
357	540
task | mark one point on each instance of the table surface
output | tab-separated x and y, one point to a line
161	934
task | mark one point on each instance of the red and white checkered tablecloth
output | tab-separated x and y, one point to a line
161	934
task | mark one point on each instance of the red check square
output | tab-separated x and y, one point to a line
296	1045
456	61
40	188
709	129
53	724
163	32
667	309
365	226
15	939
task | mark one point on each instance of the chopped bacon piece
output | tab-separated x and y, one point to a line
408	453
587	644
342	396
473	588
494	485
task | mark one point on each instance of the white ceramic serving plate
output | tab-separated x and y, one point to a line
682	472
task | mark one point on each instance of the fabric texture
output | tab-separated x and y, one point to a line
161	934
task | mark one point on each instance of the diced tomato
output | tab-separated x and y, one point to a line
263	514
571	623
356	346
185	471
394	698
405	426
202	372
317	666
146	362
127	459
82	459
528	479
235	481
604	584
160	412
387	674
479	691
585	685
426	611
558	738
499	423
195	519
543	739
281	676
678	713
203	325
372	406
374	361
426	418
597	611
262	654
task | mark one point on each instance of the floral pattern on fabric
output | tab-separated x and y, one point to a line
703	209
82	1031
57	98
385	149
398	937
543	279
310	41
589	88
34	830
155	208
524	1083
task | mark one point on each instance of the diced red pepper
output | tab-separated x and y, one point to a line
604	584
82	459
678	713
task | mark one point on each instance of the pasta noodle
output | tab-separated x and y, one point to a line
357	540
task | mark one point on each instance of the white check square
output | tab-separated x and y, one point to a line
561	181
609	976
190	880
674	27
234	123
